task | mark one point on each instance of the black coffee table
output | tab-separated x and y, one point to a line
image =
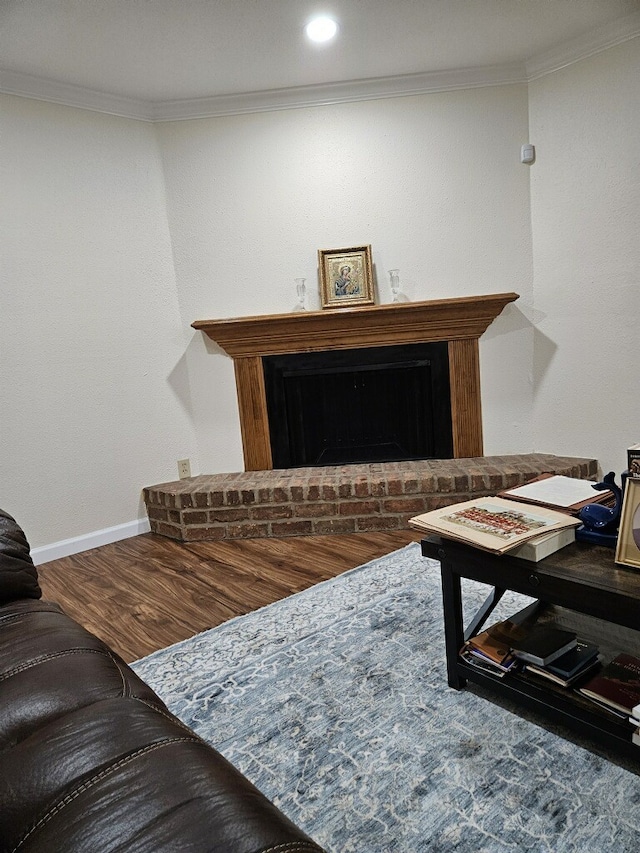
579	587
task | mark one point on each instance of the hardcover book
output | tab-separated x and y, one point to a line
575	660
617	685
543	546
545	672
543	644
490	646
495	642
633	459
492	524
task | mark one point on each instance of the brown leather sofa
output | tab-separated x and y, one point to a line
91	760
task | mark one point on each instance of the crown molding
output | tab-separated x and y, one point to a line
615	33
39	88
69	95
338	93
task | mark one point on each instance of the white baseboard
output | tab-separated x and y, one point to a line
67	547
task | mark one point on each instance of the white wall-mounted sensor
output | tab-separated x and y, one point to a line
527	154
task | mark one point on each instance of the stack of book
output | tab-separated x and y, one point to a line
499	525
568	668
530	522
508	644
544	643
490	650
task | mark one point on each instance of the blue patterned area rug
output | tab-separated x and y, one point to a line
334	703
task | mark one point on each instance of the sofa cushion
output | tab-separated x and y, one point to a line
121	775
50	665
18	575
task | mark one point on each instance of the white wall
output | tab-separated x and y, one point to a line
95	402
103	382
585	189
433	182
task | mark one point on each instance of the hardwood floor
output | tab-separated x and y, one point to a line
144	593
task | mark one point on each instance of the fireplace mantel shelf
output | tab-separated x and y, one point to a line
345	328
459	321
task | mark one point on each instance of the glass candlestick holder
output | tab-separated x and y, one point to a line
301	290
394	275
398	295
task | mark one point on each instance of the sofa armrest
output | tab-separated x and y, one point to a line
18	575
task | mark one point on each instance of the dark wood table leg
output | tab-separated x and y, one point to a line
484	612
453	625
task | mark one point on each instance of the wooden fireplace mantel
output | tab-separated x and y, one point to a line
460	321
346	328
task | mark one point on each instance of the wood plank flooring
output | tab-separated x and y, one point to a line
144	593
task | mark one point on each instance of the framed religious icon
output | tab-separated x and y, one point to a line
628	545
346	277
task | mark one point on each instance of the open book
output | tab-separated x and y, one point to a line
568	494
492	524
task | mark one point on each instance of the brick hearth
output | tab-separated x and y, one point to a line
342	499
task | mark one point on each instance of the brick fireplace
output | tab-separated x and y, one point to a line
336	499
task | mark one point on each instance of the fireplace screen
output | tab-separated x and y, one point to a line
380	404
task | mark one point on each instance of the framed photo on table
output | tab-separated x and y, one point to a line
628	545
346	277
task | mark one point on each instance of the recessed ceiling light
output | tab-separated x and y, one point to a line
321	29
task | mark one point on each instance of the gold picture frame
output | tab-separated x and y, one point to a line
628	545
346	277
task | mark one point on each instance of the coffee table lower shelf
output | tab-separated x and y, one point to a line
561	706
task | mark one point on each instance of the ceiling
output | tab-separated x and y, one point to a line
149	54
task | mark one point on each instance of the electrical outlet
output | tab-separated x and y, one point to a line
184	468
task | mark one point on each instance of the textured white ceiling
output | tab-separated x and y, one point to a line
161	50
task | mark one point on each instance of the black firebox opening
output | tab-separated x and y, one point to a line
380	404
